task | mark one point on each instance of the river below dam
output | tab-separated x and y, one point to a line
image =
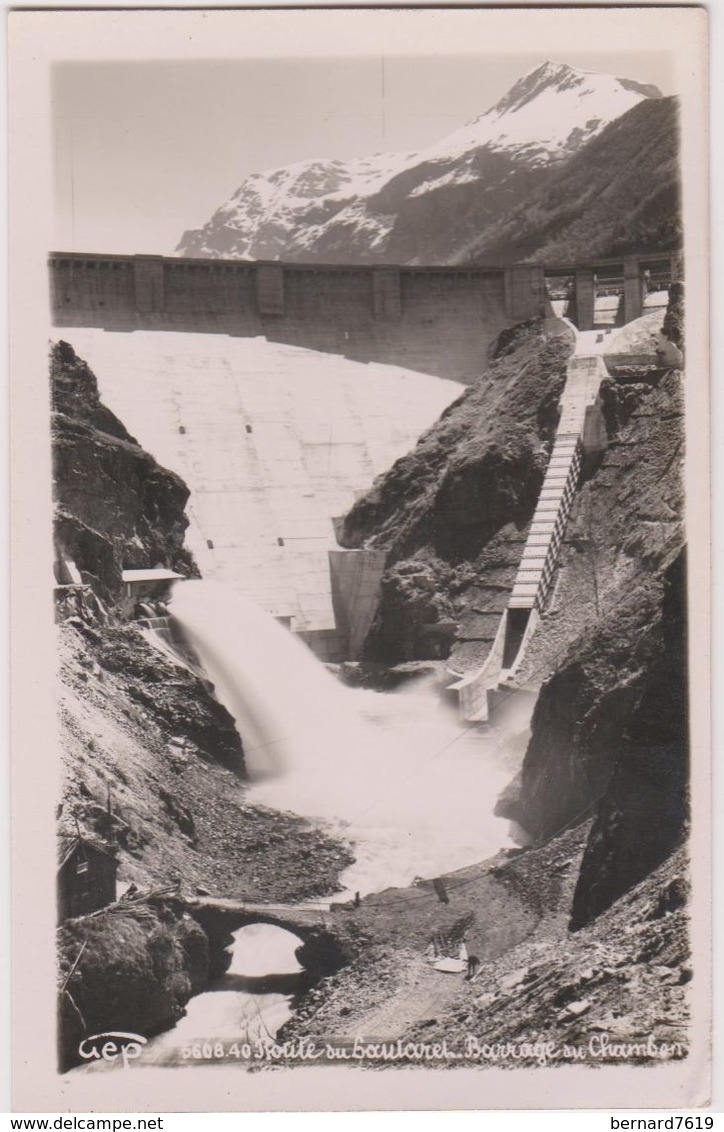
242	1010
394	774
423	797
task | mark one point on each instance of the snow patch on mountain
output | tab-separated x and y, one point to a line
452	177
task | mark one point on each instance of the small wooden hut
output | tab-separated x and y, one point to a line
86	876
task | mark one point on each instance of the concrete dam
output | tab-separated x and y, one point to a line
433	320
279	391
274	442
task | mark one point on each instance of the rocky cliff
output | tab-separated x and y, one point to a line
609	728
609	732
454	512
643	813
116	507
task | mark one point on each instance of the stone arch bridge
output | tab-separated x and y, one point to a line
324	945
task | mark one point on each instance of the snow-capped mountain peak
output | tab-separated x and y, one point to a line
548	113
364	209
547	76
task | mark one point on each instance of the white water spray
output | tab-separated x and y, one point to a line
394	773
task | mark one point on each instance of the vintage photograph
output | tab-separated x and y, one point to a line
372	460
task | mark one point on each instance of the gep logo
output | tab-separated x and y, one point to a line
112	1045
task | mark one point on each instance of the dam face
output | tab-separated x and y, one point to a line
274	441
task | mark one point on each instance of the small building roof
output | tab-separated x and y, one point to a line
67	843
158	574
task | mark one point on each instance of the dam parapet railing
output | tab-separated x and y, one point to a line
438	319
105	284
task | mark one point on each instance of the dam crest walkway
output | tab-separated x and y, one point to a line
301	919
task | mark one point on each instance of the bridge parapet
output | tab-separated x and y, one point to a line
302	920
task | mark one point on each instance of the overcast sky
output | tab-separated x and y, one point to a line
144	151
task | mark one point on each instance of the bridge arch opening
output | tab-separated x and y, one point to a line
264	949
245	1005
263	960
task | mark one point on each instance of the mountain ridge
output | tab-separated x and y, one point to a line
620	193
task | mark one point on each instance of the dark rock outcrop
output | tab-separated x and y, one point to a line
581	714
452	514
325	952
74	393
644	810
116	507
619	194
138	968
177	699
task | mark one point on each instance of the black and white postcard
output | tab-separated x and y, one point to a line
360	536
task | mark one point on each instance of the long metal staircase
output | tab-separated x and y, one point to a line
534	579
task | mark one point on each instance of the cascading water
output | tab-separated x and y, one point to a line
394	773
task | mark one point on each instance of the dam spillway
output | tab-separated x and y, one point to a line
273	441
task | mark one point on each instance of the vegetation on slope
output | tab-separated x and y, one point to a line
138	968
